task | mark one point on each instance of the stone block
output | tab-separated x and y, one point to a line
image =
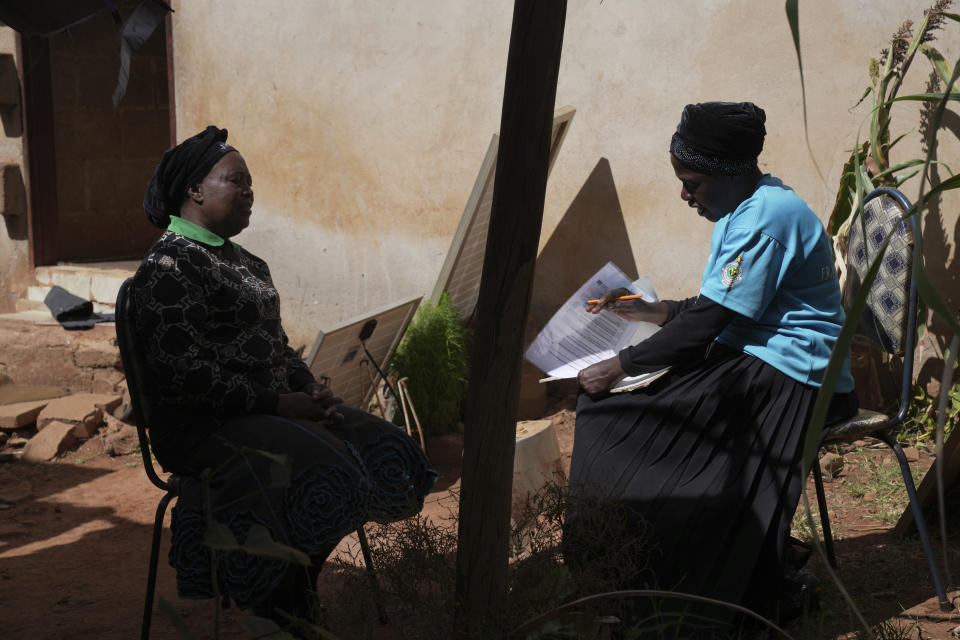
105	288
98	355
46	364
23	304
20	414
43	275
831	464
37	293
106	381
49	443
122	442
86	408
76	283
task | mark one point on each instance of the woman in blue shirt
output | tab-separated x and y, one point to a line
708	458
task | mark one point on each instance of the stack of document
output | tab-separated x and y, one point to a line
575	339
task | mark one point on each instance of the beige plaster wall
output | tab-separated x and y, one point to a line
364	124
15	269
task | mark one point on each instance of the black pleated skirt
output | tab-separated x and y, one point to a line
708	462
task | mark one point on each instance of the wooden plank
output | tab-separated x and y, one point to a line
463	265
38	148
529	94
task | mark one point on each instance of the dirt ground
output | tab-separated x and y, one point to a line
75	537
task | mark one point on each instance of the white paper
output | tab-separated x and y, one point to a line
574	339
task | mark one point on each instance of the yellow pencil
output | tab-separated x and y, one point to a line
632	296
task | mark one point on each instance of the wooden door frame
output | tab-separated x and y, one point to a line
39	153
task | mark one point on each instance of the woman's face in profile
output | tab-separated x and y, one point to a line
704	192
227	193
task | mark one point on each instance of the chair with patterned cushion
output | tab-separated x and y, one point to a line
890	321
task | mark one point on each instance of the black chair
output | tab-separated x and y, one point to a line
138	380
138	384
890	321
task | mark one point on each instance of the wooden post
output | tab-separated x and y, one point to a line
529	94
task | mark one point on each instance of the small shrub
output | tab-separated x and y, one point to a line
434	356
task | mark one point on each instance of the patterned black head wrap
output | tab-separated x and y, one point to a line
719	137
180	168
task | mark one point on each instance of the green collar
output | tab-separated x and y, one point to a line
194	231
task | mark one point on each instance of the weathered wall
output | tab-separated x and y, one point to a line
15	271
365	124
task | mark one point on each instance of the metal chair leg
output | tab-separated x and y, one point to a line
918	517
824	517
154	557
368	560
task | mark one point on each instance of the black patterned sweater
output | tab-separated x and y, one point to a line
209	320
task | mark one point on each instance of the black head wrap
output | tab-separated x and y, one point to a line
180	168
719	137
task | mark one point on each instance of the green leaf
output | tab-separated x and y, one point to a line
938	62
899	180
900	167
918	36
927	97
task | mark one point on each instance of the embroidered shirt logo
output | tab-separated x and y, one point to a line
733	272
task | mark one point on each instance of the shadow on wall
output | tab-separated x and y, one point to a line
944	272
590	233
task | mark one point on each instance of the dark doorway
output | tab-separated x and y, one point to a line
89	163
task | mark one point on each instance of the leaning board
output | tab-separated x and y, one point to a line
463	266
338	359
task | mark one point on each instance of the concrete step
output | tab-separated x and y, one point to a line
98	282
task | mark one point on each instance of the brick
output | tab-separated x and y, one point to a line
99	355
122	442
71	187
97	83
49	443
81	407
145	134
76	283
106	381
20	414
37	294
140	86
105	288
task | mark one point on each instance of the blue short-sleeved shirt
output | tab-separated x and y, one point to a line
771	261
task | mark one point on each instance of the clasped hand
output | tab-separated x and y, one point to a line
314	402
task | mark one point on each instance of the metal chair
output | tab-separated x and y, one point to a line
138	384
889	320
138	377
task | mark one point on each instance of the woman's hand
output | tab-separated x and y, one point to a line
636	310
600	377
315	402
